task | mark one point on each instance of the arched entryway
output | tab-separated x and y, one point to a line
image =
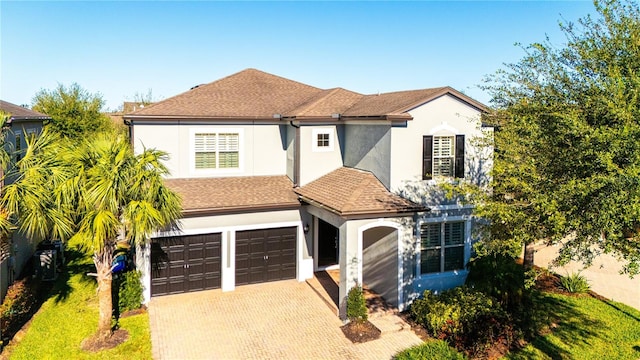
380	262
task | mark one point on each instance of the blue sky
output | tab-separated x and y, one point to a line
122	48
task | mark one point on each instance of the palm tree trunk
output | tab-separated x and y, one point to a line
102	261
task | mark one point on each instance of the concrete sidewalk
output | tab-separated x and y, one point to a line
604	276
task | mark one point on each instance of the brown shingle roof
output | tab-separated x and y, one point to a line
391	103
255	94
248	94
232	194
348	191
327	102
400	102
19	113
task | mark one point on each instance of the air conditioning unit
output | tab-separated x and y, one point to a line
45	262
56	245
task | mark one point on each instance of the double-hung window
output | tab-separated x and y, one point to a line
217	150
442	156
442	247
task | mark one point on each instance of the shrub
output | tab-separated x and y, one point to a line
17	305
467	318
130	291
436	349
356	305
575	283
499	276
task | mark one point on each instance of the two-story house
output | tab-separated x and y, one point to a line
280	179
17	249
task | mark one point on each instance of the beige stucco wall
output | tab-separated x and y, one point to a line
443	116
263	147
315	163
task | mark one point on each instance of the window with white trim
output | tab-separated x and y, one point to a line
443	159
322	140
442	247
217	150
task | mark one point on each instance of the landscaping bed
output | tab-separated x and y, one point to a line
543	321
360	331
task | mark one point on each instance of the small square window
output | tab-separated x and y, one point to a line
322	140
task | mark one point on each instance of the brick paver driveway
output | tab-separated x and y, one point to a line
279	320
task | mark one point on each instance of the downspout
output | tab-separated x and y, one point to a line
129	124
296	155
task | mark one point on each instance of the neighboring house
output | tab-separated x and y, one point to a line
127	107
280	179
15	252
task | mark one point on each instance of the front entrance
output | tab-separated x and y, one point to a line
380	262
328	247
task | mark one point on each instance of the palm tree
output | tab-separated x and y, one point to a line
95	192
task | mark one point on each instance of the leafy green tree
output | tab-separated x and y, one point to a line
567	149
74	111
92	191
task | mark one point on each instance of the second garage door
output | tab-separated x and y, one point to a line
265	255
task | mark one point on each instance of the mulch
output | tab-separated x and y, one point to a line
95	344
360	331
141	310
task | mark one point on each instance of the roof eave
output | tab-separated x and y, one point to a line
199	117
447	91
239	209
365	213
388	117
14	118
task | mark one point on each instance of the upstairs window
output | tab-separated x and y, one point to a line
322	140
217	150
442	156
442	247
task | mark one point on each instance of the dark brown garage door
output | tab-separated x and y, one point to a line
265	255
185	263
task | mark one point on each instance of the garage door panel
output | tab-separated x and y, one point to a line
195	255
265	255
195	282
185	263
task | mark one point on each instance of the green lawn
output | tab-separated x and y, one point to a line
587	328
70	315
582	328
